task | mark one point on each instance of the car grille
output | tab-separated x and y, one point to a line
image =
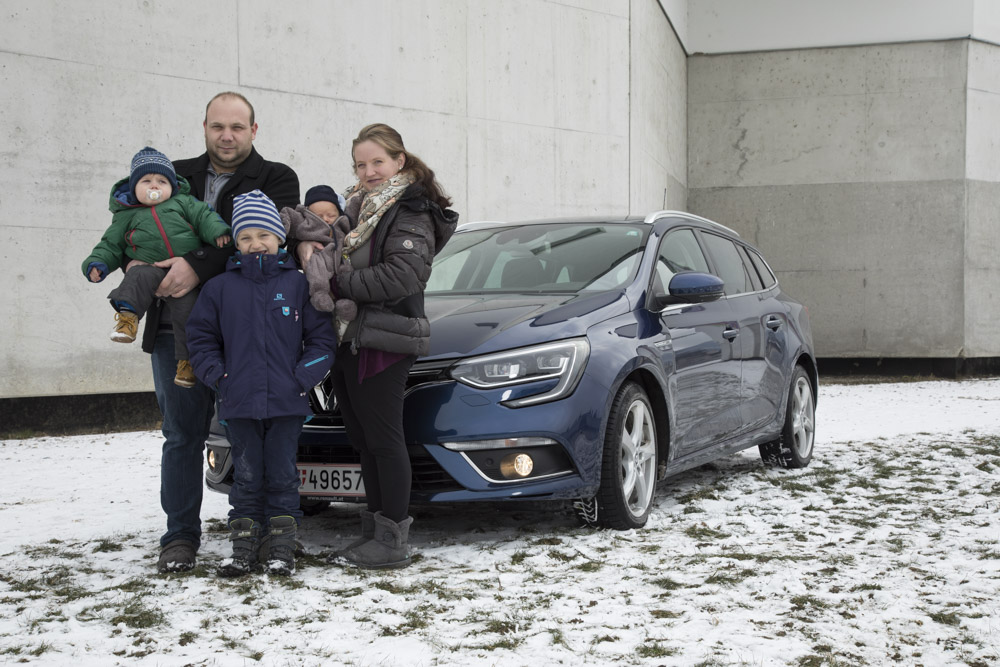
324	405
428	476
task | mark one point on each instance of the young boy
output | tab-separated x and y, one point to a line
154	218
255	338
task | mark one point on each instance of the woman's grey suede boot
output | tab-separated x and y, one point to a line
245	536
367	533
388	549
281	553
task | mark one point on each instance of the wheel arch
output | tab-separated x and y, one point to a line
658	402
809	365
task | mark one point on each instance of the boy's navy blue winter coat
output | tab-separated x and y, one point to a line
254	336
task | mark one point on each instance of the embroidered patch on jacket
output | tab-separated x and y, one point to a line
408	244
286	311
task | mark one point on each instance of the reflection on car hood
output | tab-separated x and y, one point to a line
482	323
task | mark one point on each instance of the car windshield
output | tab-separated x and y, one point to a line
556	257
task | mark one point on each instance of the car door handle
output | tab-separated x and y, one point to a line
773	323
730	334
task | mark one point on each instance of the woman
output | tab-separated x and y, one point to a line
399	220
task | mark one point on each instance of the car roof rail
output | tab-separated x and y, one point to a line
653	217
474	224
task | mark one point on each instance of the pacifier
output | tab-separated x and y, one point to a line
152	195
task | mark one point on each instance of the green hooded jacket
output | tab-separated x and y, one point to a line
154	233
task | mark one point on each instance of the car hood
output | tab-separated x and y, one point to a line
464	324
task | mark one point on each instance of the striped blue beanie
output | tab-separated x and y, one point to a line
253	210
151	161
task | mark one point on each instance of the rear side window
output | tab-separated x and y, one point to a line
729	264
766	277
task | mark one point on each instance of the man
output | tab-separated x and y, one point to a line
229	167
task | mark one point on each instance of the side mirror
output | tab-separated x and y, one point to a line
689	287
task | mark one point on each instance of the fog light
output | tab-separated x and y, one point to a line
211	459
516	465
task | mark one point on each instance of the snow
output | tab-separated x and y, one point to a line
885	550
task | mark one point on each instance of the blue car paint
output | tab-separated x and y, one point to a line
708	369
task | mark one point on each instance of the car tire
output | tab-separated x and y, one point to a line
628	468
794	448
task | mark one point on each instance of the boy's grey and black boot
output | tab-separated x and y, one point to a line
281	550
388	549
367	533
245	536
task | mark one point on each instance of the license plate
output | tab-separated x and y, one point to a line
331	480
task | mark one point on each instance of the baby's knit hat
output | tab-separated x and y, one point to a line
324	193
256	210
151	161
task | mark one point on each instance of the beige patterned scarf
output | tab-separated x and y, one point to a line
376	202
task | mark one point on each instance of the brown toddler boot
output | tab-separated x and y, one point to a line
185	374
127	324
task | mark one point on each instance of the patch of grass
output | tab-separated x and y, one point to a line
502	627
133	585
135	614
558	638
730	577
667	584
547	541
589	566
507	643
791	485
519	557
800	602
107	545
561	556
704	493
945	618
703	532
214	526
655	650
896	544
44	647
882	470
54	551
866	587
604	639
664	613
186	638
416	619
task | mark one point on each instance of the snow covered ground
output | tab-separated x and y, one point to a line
886	550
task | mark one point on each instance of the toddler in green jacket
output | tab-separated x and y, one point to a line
154	217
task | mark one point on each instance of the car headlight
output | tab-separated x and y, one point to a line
561	363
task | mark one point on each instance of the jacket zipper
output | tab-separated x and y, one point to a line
163	233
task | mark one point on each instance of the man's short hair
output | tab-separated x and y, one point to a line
230	93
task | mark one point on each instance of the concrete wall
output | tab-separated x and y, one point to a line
982	238
658	119
869	176
735	26
526	108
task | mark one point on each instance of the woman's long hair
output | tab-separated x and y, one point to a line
390	140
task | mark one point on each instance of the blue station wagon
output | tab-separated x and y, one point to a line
585	360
